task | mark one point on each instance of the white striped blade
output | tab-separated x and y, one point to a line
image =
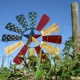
31	51
51	29
10	49
50	49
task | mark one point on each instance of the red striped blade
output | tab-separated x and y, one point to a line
54	39
17	59
43	56
44	20
36	35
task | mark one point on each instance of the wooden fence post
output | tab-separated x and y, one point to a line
75	25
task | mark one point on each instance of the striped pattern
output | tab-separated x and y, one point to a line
49	48
31	52
10	49
51	29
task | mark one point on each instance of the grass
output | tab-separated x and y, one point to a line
40	69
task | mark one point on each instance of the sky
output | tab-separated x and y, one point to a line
59	12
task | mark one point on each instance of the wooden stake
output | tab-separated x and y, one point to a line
75	26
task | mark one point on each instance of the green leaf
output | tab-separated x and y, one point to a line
3	76
40	73
24	79
33	58
21	56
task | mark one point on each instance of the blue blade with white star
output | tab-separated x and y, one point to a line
14	28
7	37
32	18
21	19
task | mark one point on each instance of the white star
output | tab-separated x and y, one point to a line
13	29
8	37
19	16
32	13
13	37
8	25
35	15
4	37
21	19
34	18
11	24
25	21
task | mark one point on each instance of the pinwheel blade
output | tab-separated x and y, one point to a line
6	38
32	18
44	20
14	28
43	56
51	49
52	29
21	19
31	52
54	39
22	52
10	49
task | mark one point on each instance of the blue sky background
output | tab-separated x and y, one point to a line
59	12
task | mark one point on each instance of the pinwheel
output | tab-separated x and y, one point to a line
32	36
